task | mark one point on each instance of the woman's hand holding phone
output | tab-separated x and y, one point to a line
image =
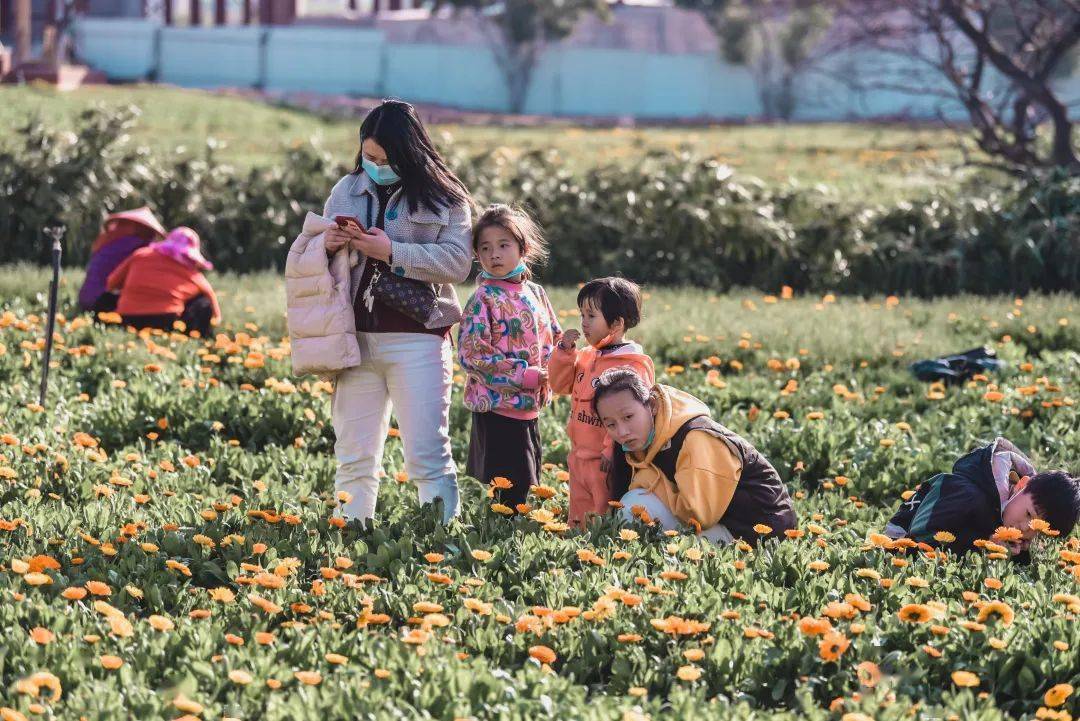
338	236
372	242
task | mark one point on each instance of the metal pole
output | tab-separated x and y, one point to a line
56	232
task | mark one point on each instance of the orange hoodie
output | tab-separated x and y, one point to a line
572	372
151	283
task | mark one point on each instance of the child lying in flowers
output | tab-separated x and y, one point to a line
993	493
678	465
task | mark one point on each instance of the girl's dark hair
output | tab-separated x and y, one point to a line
515	221
1056	496
425	178
615	298
618	379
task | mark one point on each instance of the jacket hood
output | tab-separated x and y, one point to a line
977	468
673	408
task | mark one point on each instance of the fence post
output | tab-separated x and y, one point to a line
155	63
264	38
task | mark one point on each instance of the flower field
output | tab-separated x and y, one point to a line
168	546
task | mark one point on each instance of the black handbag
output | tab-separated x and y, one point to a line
412	298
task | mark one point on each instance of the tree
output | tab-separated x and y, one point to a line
778	41
518	30
998	58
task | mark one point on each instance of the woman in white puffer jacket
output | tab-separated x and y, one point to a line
410	217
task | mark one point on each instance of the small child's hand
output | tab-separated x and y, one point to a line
542	377
569	339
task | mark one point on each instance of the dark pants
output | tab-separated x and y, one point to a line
196	317
105	303
506	447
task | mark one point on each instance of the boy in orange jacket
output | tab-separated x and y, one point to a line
609	307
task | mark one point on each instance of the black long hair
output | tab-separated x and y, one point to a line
425	177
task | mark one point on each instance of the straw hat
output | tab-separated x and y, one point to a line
143	216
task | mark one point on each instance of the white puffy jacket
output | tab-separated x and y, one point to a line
321	320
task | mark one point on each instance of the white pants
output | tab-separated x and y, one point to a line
660	513
412	372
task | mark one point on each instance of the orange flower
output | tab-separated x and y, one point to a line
1057	695
98	588
1041	525
42	563
239	677
311	678
160	623
869	673
832	645
42	636
992	583
1005	534
965	679
915	613
543	654
999	609
810	626
688	673
111	662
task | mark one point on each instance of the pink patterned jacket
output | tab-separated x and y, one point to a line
507	333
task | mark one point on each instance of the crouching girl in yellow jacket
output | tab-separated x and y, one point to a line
679	466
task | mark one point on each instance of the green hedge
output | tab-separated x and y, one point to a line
673	219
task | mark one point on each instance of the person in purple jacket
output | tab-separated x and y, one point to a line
121	235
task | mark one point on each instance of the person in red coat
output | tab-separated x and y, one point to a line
164	282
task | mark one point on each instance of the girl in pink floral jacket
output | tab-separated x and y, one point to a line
508	330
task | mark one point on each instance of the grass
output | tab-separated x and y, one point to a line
865	161
683	325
